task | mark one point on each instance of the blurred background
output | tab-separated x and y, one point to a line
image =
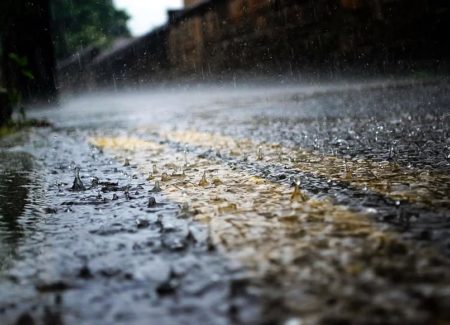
54	46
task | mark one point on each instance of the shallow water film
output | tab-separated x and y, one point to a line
296	204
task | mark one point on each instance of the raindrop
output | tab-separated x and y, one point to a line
185	152
259	154
229	208
127	192
77	183
94	182
393	151
157	188
216	181
280	156
165	177
142	223
178	175
203	181
151	202
348	174
185	207
298	195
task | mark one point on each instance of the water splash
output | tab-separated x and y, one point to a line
393	151
94	182
298	195
259	155
185	153
203	181
185	207
77	183
348	173
228	208
151	202
217	181
165	177
127	192
157	188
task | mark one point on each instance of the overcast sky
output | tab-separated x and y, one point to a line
146	14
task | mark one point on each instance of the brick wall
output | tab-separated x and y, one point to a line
223	36
279	34
189	3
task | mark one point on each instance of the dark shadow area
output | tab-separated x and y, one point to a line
14	179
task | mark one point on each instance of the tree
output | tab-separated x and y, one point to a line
27	58
78	24
33	31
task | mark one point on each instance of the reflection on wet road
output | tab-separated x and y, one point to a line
15	180
294	204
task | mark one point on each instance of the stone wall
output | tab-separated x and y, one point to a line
217	37
287	34
190	3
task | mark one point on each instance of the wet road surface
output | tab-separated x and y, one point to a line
294	204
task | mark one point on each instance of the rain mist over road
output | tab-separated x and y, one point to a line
227	234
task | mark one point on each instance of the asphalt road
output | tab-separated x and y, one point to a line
256	204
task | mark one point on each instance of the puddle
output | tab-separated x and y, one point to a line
15	180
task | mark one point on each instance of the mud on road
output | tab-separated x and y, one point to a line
291	205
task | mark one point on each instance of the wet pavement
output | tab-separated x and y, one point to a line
287	204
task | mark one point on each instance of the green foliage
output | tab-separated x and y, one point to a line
11	126
15	97
22	64
78	24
